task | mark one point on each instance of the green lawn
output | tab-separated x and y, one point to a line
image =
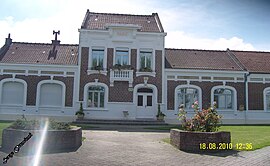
259	135
85	126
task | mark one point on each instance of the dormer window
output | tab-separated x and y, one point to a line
121	56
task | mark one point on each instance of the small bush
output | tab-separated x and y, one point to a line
24	124
206	120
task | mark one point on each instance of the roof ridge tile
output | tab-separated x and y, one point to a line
44	44
121	14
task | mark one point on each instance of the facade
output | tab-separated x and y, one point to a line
121	70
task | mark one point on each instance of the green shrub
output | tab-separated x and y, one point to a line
24	124
206	120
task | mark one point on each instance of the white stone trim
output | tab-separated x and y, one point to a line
97	72
14	80
205	71
186	86
85	95
264	99
152	74
51	82
234	96
24	70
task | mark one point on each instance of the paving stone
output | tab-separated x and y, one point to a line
121	148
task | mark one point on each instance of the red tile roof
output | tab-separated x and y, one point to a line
37	53
201	59
98	21
254	61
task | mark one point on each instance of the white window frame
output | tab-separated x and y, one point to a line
152	57
122	49
93	96
91	71
97	48
153	65
234	95
52	82
14	80
187	86
85	98
264	99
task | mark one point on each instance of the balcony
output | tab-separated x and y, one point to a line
121	75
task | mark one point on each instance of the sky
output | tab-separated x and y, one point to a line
191	24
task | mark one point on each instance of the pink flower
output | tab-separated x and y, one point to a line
196	103
192	106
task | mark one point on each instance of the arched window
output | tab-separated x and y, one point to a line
267	99
12	93
187	95
51	93
96	96
225	97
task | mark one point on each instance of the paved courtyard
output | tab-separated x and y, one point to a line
133	147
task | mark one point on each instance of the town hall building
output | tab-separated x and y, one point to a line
121	70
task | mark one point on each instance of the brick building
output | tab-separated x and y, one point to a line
121	66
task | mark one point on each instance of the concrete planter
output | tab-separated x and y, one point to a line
190	141
55	140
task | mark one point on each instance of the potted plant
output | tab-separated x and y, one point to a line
160	115
145	69
241	107
80	113
121	67
99	68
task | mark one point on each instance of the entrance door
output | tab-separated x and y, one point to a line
145	106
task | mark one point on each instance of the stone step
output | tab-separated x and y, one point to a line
121	122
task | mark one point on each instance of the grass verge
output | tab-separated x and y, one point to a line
3	125
85	126
258	136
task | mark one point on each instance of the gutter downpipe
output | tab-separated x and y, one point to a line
246	95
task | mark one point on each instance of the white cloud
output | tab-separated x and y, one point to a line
70	16
178	39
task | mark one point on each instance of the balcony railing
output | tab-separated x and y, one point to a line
121	75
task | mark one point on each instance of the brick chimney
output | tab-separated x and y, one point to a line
55	42
8	40
5	48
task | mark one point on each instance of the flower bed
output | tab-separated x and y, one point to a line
55	141
200	141
59	136
200	132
